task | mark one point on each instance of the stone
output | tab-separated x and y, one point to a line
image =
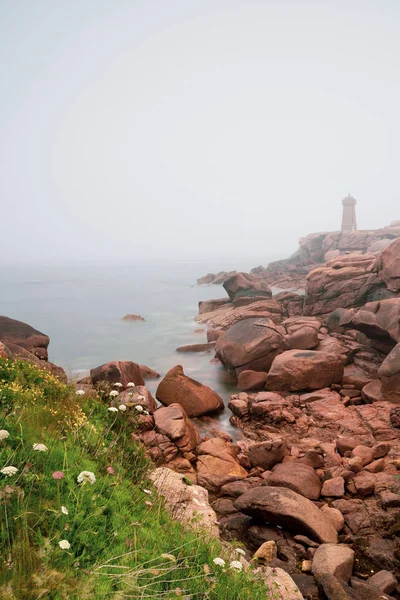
117	371
353	375
389	375
384	581
298	477
267	552
306	566
246	284
333	487
267	454
237	488
364	483
379	319
366	454
186	503
344	445
335	559
302	332
23	335
334	515
207	347
281	585
372	392
139	395
251	380
301	370
251	344
130	317
216	464
388	266
284	507
173	422
213	334
197	399
148	373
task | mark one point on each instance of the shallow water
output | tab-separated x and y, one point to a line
80	306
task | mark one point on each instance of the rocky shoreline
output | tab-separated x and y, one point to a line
313	489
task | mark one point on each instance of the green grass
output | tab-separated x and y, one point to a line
123	543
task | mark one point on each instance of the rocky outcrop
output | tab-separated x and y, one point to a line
388	266
23	335
224	317
379	320
197	399
250	345
288	509
215	278
246	284
186	503
117	371
173	422
304	369
148	373
389	374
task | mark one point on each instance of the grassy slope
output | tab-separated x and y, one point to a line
123	544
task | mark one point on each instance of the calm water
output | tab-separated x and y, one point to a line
81	307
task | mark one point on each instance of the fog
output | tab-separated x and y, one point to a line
193	128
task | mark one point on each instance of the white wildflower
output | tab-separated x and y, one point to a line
64	510
236	565
117	384
64	545
86	477
240	551
141	398
113	393
9	471
80	392
112	409
139	408
122	407
130	384
40	447
3	434
219	561
149	492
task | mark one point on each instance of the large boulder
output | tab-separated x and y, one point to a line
281	506
380	320
246	284
23	335
250	345
388	266
268	453
173	422
186	503
302	332
296	476
304	369
389	374
117	371
335	559
197	399
217	464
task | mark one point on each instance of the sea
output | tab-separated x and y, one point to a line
81	306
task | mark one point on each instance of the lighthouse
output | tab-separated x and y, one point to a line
349	222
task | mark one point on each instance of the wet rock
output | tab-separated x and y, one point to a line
186	503
335	559
300	370
173	422
298	477
251	380
333	487
251	344
197	399
117	371
284	507
267	454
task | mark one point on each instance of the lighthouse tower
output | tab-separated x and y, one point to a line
349	222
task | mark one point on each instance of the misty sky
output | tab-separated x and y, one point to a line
189	128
